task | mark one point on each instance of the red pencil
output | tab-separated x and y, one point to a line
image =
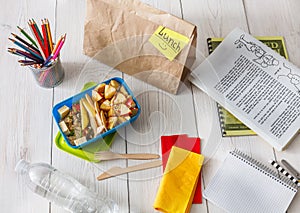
38	31
39	42
46	46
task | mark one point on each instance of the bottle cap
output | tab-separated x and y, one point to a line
21	166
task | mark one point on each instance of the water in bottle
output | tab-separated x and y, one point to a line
63	190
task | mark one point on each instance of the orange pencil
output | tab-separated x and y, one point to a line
57	44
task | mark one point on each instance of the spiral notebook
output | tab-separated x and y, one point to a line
243	184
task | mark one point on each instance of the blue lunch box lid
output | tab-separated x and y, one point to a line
74	99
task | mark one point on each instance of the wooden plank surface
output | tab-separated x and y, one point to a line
27	128
80	69
24	111
282	21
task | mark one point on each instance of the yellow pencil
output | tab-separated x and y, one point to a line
49	35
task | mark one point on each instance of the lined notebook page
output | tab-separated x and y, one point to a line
241	186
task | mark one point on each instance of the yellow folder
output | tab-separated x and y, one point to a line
178	184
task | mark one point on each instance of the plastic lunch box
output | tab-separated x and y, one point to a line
74	99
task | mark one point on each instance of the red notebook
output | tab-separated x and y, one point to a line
181	141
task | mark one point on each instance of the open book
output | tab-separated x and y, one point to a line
255	84
230	125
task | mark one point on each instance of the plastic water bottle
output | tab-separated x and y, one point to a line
63	190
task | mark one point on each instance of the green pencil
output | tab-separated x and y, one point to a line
27	36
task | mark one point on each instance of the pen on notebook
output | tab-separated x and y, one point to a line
291	169
27	36
282	170
32	52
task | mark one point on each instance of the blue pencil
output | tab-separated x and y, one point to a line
26	49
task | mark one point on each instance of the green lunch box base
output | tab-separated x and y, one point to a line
87	152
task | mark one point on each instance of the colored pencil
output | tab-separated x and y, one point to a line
38	50
24	54
25	61
35	34
27	55
25	42
49	35
26	48
28	63
57	44
46	47
27	36
59	47
13	52
36	54
53	51
38	31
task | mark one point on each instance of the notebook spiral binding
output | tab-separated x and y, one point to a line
209	45
264	169
221	119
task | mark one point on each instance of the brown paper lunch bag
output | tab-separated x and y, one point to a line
117	33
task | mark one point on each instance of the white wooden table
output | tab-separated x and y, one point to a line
28	130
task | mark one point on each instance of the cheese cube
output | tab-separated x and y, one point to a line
80	140
63	111
64	128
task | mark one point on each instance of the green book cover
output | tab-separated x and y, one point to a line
230	125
